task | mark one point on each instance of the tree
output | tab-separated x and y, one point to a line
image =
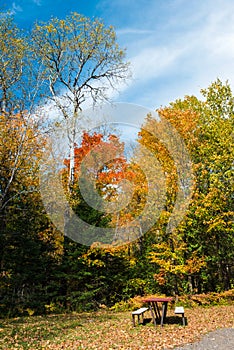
81	59
20	78
197	254
207	230
99	169
21	147
12	61
86	273
29	245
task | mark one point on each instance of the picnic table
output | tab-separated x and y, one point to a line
158	309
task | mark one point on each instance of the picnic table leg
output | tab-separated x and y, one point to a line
153	314
133	320
158	312
164	313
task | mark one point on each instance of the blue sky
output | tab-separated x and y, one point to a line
176	47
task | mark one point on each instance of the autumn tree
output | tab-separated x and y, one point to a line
201	247
80	61
87	272
12	60
20	147
99	170
29	244
20	74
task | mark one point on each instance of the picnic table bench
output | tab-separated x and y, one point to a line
180	310
157	314
137	313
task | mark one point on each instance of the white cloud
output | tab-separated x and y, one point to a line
37	2
132	31
185	49
15	8
153	62
175	47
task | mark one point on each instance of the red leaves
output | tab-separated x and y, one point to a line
104	161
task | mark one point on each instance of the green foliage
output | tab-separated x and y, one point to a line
27	261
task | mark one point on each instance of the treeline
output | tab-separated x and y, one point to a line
41	270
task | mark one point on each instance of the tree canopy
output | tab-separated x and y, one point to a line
80	58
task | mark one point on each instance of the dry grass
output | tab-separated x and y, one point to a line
110	330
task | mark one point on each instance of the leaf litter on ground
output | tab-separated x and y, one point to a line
108	330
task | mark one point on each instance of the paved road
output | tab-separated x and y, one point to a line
221	339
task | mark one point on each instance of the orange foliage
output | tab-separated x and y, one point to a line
103	159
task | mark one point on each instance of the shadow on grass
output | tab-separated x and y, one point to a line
169	320
176	320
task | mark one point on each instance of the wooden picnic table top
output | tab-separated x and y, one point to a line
157	315
157	299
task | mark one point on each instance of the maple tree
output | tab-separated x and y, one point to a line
100	165
87	272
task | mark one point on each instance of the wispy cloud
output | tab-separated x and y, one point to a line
152	62
180	49
15	8
37	2
175	47
132	31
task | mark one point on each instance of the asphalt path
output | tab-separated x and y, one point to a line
221	339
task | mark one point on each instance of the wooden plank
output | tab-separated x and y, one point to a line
140	311
179	310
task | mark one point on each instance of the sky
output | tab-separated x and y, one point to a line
175	47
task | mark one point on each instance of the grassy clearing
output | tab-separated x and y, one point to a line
110	330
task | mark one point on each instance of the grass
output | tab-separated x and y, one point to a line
108	330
